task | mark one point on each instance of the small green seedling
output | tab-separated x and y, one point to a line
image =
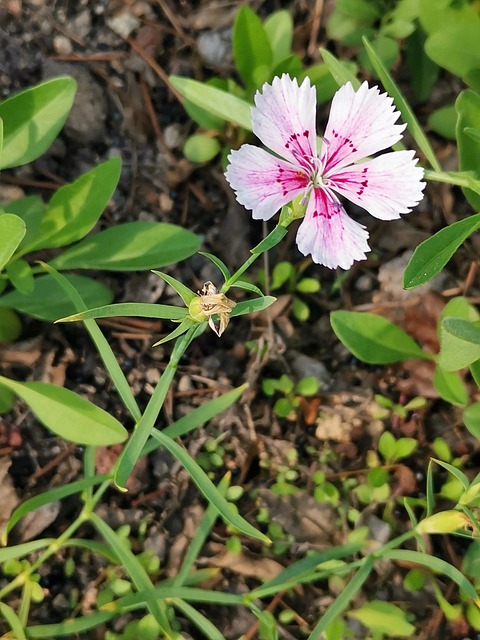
286	407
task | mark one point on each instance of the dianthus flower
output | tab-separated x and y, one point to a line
361	123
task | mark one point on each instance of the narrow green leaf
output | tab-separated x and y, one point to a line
71	627
33	118
252	52
103	346
47	301
186	324
433	564
201	535
343	600
133	449
251	306
202	623
75	208
279	30
134	568
401	104
374	339
248	286
216	101
459	344
58	493
164	592
13	621
12	231
218	263
126	309
184	292
207	488
24	549
296	573
432	254
68	414
132	246
197	417
450	387
340	72
467	106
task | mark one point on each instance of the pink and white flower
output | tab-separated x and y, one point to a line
361	123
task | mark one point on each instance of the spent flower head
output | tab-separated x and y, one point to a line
210	303
361	123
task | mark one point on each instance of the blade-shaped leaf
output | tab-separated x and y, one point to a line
183	327
250	306
401	104
47	301
68	414
216	101
75	208
374	339
126	309
207	488
12	231
33	118
340	72
184	292
132	246
218	263
432	254
467	106
252	52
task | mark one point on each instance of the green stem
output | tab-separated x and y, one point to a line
134	446
267	243
460	179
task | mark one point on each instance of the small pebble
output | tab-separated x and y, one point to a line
62	45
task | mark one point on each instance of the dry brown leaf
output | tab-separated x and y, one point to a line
247	565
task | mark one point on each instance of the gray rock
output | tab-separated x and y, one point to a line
215	47
86	122
305	366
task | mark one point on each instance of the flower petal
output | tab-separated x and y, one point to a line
360	124
386	186
262	182
329	235
284	118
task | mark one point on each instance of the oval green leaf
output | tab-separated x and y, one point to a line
468	112
33	118
75	208
432	254
200	148
252	52
12	231
48	302
68	414
471	418
130	247
216	101
374	339
459	344
450	387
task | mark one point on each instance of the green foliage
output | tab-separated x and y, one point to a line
287	406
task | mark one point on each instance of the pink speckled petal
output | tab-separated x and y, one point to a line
386	186
284	118
361	123
262	182
329	235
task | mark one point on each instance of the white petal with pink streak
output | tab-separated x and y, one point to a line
284	118
360	123
262	182
329	235
386	186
